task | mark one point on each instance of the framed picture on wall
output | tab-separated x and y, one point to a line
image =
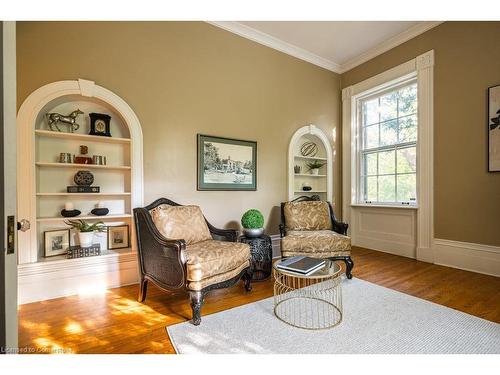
494	129
226	164
118	237
56	242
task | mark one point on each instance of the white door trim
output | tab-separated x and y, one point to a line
9	117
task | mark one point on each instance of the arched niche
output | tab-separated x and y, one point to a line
57	96
322	184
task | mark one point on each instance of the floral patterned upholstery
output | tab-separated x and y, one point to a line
309	215
181	223
198	285
318	243
209	258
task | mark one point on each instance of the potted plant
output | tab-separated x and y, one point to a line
86	230
314	166
253	223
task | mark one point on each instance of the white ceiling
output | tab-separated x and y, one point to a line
334	45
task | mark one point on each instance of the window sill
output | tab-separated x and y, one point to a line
385	206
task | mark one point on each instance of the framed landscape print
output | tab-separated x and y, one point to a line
118	237
56	242
226	164
494	129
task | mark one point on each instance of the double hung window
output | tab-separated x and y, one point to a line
387	148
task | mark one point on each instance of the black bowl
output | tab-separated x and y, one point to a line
306	188
70	213
100	211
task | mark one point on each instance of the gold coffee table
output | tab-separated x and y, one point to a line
310	302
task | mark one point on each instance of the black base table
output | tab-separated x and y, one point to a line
262	255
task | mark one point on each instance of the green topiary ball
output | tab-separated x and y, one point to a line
252	219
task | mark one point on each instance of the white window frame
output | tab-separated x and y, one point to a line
357	130
423	67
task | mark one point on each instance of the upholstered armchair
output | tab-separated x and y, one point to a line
179	249
309	227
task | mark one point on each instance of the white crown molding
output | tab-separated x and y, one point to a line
300	53
275	43
385	46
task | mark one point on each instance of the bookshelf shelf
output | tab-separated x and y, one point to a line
81	194
81	166
310	157
85	217
80	137
309	175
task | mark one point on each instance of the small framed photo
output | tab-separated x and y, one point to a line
118	237
56	242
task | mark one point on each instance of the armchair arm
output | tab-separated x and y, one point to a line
337	226
229	235
160	259
340	227
282	230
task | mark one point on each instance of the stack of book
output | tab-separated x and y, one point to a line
301	265
81	252
83	189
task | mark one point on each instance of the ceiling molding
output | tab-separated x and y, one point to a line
385	46
275	43
300	53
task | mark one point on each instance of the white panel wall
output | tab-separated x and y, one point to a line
392	230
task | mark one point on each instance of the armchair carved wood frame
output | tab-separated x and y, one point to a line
163	262
337	226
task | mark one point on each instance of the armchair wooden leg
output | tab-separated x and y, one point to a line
196	302
248	279
349	266
143	289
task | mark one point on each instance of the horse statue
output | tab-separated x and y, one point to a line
54	118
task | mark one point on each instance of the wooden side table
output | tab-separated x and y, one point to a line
262	255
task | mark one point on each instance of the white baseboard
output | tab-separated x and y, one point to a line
387	246
425	254
467	256
43	281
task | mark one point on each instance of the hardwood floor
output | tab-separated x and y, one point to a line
114	322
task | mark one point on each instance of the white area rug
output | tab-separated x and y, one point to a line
376	320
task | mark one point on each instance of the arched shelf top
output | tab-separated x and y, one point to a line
322	184
35	105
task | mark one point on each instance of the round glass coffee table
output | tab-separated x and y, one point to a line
311	302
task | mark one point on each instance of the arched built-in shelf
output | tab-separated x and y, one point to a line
322	183
42	183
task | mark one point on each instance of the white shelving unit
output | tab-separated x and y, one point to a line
52	177
322	183
43	181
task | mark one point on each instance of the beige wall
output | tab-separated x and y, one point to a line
467	55
187	78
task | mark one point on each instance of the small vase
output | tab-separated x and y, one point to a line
253	232
314	171
86	239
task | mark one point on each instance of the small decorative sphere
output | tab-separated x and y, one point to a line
309	149
252	219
